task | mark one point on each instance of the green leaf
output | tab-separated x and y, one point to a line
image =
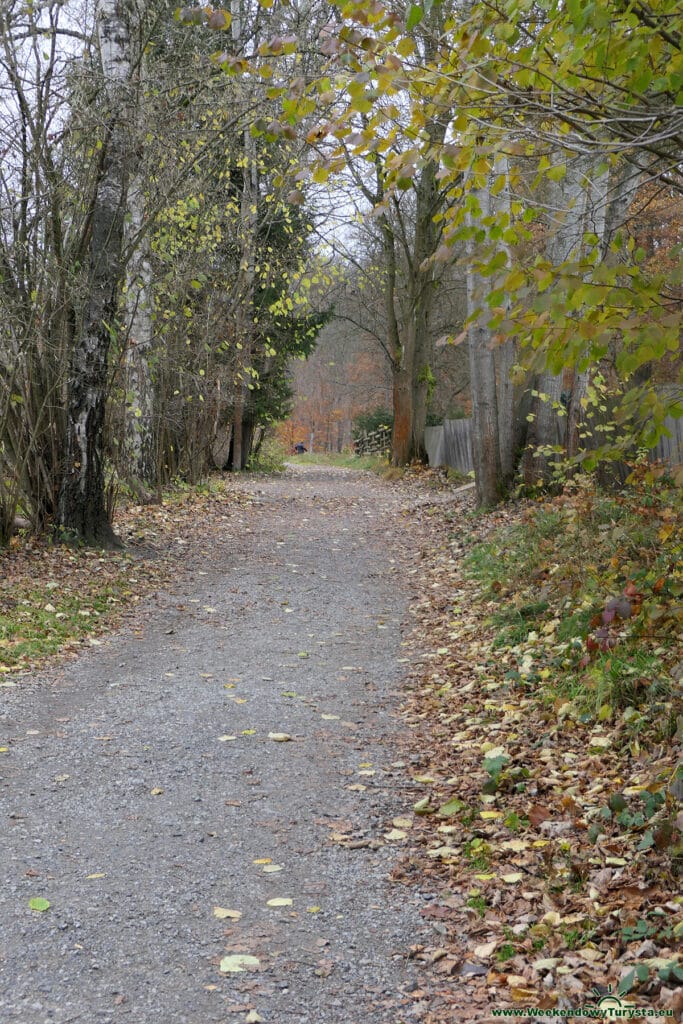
557	173
647	841
415	15
39	903
451	808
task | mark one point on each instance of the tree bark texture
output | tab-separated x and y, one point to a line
140	457
82	507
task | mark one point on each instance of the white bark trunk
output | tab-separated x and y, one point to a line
139	458
82	505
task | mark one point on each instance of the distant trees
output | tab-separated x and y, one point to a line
581	102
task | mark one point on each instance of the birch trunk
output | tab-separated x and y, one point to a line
82	507
140	464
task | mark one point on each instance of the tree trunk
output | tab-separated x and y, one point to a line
505	353
401	436
140	462
567	204
237	458
82	508
488	472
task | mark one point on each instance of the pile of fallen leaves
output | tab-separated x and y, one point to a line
547	722
54	598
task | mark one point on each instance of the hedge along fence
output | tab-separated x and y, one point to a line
451	444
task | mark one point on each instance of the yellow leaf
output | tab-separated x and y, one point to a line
511	879
489	815
239	962
97	874
279	737
263	860
516	845
280	901
157	791
222	913
272	868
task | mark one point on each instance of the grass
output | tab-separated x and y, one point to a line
345	460
77	596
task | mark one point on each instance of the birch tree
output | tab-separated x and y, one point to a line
82	510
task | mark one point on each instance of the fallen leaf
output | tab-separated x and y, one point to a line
157	791
239	962
39	903
486	950
222	913
280	901
224	739
272	868
279	737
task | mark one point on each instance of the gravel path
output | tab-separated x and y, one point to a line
141	790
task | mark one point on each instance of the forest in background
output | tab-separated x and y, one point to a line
188	197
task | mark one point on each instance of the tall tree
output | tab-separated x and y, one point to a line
82	509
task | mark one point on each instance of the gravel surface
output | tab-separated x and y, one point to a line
141	789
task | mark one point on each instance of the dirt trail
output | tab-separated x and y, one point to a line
125	805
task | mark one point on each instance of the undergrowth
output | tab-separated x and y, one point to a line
585	599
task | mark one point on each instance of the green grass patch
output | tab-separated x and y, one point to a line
39	621
345	460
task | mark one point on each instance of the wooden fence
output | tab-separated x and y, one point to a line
670	449
451	444
377	442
